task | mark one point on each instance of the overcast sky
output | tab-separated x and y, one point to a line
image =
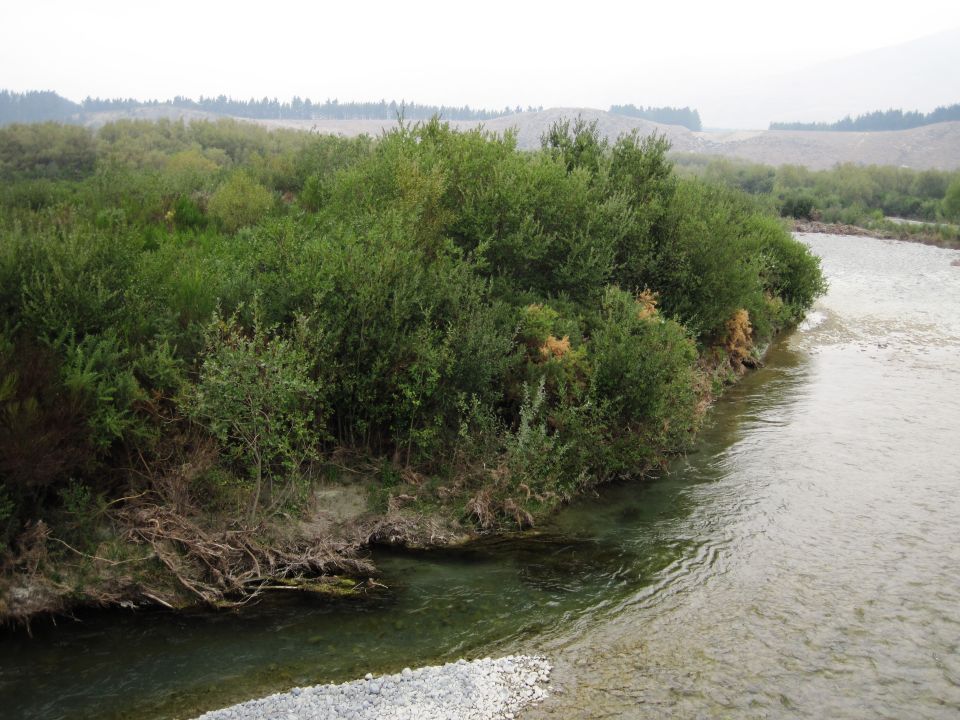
486	54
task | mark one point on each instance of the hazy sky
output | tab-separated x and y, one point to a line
486	54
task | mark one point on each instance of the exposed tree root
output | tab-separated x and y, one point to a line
232	566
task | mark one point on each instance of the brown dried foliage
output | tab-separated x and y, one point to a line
738	341
553	348
647	300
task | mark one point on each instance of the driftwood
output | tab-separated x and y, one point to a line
231	566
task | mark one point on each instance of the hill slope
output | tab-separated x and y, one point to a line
931	146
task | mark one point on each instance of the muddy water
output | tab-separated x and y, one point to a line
820	570
803	561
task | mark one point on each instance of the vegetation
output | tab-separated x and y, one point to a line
48	106
848	194
879	120
686	117
200	321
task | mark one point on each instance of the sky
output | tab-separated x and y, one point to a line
485	54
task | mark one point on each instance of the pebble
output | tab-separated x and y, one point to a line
484	689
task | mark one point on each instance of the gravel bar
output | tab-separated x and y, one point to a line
476	690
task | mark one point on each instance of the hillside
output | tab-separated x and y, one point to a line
931	146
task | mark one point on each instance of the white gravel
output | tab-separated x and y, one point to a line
477	690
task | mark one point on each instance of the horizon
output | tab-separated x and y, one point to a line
699	56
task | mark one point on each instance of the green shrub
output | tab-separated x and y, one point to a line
643	378
797	204
256	396
951	202
239	201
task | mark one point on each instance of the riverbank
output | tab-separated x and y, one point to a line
824	482
460	336
946	236
479	690
152	556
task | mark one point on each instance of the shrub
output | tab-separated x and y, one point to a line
239	201
643	378
798	204
255	395
951	201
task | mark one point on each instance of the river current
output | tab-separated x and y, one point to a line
802	561
821	575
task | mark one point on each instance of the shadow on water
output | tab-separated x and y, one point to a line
499	594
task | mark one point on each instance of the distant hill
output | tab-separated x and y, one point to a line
920	74
531	126
931	146
37	106
685	116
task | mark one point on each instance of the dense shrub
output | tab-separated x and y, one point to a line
239	201
524	324
256	396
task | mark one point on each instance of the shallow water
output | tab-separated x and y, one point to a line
804	560
822	575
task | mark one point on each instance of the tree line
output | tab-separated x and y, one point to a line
879	120
847	193
685	117
44	106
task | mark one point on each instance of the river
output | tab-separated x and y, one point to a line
802	561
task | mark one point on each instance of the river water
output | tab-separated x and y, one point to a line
802	561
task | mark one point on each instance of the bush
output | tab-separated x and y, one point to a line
256	396
798	204
239	201
951	202
643	378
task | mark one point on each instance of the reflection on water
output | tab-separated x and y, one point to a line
803	560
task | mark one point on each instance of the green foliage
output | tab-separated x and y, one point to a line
239	201
256	396
704	268
47	150
408	334
788	272
643	374
433	299
535	454
100	384
951	201
579	146
798	204
847	193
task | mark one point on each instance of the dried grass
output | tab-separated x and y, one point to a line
553	348
739	342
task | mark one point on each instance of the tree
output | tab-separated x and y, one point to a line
951	201
255	395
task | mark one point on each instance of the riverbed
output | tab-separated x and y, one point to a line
802	560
